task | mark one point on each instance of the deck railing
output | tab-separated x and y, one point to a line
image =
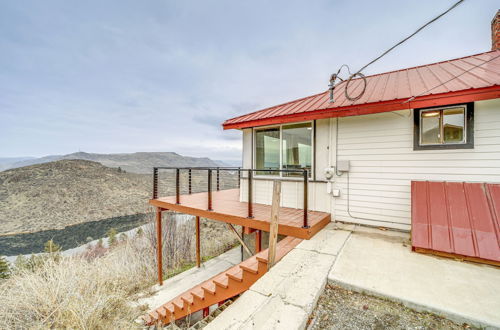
250	173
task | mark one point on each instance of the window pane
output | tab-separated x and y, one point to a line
267	150
453	125
297	147
429	127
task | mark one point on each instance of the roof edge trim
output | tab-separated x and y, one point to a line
425	101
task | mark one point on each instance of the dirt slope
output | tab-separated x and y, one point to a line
66	192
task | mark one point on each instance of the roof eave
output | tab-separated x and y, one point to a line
462	96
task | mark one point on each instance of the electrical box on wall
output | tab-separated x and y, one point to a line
343	165
329	173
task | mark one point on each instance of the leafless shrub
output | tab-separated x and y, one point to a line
74	292
94	290
94	251
177	238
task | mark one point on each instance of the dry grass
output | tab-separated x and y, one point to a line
93	291
73	292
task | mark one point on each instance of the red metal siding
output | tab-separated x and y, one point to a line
457	218
388	91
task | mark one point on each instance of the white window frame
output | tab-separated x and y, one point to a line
280	176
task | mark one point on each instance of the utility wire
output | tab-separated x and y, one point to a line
452	78
358	73
411	35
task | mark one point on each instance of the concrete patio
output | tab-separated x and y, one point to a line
369	260
381	263
378	262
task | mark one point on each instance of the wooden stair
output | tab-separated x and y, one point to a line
225	285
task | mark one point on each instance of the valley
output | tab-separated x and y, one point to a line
72	201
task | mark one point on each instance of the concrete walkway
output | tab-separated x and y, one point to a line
362	259
285	296
366	260
381	263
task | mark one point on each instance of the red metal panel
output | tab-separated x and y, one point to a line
457	218
438	213
381	88
481	218
420	230
494	198
463	241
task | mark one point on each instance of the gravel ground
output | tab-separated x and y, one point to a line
338	308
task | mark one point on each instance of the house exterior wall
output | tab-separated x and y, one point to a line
382	165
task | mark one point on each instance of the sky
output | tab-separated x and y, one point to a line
126	76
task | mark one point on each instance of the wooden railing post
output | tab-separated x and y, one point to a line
155	182
198	257
189	181
273	230
306	178
218	179
250	197
177	186
258	241
159	246
209	189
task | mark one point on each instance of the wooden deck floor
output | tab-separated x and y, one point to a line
227	208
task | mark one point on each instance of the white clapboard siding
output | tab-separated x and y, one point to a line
381	170
291	194
383	164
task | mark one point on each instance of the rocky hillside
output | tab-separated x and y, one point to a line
67	192
138	162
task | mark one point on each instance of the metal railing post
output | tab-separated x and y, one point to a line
239	177
189	180
306	177
155	182
209	189
250	198
218	179
177	186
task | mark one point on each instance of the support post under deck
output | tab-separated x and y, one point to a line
159	246
258	241
198	257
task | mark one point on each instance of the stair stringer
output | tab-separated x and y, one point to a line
225	285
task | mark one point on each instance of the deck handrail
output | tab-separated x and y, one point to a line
305	175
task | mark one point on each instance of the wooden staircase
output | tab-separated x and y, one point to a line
227	284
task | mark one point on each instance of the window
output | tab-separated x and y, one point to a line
267	150
296	147
444	128
284	147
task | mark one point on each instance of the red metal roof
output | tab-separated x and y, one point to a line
388	91
457	218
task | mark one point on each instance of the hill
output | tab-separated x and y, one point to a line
138	162
68	192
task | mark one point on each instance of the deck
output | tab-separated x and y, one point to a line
228	208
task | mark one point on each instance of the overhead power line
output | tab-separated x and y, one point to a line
413	34
358	73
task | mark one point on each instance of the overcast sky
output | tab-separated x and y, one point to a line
126	76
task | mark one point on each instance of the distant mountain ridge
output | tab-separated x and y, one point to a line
138	162
5	162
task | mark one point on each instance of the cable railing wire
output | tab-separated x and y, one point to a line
218	184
